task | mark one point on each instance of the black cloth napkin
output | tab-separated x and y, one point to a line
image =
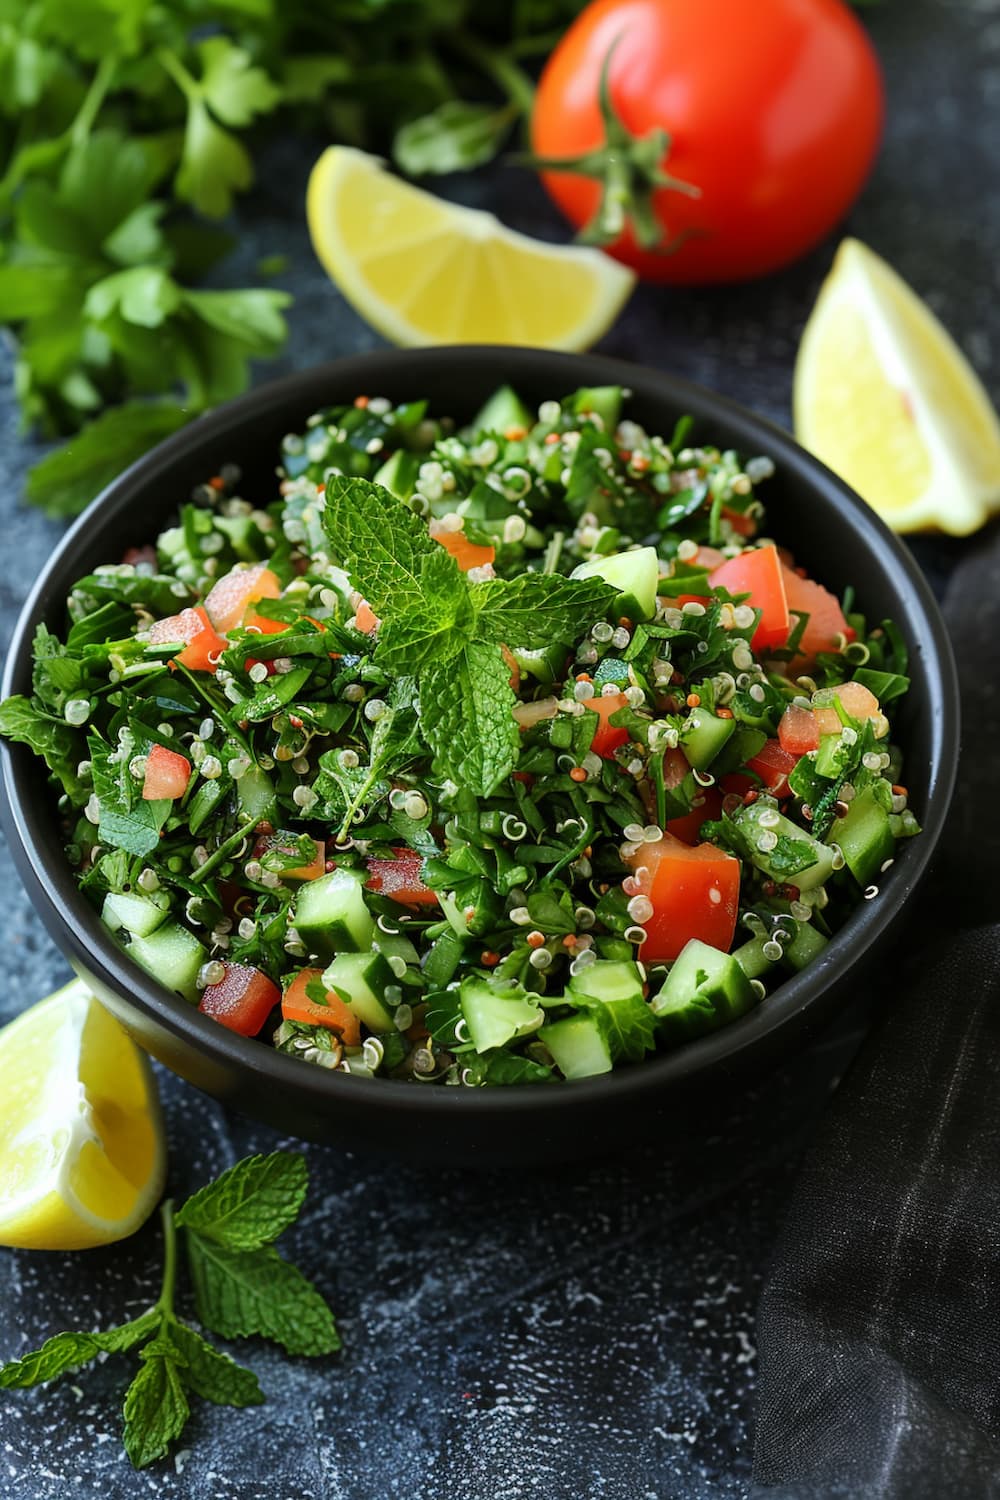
879	1322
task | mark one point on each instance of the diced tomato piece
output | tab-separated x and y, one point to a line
400	879
798	730
135	555
758	573
204	646
707	800
284	843
229	600
514	665
365	619
467	554
242	1000
167	774
252	661
607	737
741	523
773	765
695	894
826	618
335	1014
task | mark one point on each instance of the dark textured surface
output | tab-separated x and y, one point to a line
582	1334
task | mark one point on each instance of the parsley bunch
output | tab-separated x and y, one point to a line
128	130
241	1286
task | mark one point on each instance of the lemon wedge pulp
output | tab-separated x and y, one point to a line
82	1155
885	397
424	271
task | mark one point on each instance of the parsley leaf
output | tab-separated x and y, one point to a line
66	481
466	715
49	737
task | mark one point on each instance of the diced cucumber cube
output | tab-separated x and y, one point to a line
360	979
141	915
256	796
608	980
746	742
807	944
753	960
865	836
604	400
703	736
503	410
705	988
398	474
494	1016
173	956
792	840
331	915
634	574
547	664
578	1046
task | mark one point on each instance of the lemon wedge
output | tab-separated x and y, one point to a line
885	397
424	271
82	1154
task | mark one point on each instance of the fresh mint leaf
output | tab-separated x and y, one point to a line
466	716
213	1375
251	1203
436	631
535	610
242	1293
156	1408
62	1352
379	542
65	482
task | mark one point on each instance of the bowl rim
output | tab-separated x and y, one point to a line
82	937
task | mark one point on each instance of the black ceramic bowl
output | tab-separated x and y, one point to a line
830	531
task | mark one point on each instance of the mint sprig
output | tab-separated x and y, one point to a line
447	632
242	1287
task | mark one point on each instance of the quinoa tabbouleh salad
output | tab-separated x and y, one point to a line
491	755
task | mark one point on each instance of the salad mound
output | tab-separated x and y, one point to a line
487	755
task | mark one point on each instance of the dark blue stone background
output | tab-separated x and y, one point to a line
581	1333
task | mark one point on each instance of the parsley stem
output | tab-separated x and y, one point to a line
92	101
171	63
215	859
165	1301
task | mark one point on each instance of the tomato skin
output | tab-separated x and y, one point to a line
826	618
228	601
285	843
695	893
467	554
204	646
707	801
400	879
607	737
798	730
242	1000
758	573
167	774
772	764
365	618
335	1015
777	124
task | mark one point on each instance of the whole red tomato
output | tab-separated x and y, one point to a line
773	109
